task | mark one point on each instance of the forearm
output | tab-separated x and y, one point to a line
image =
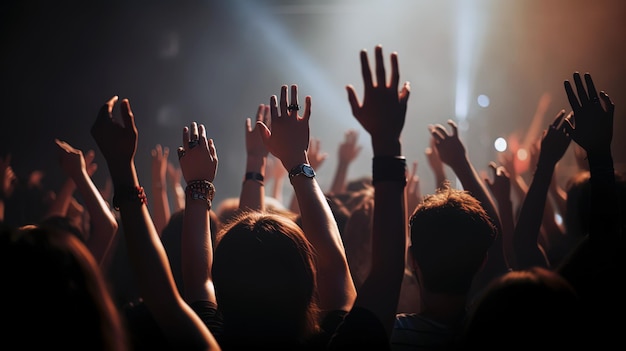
531	216
160	204
335	285
252	196
104	226
197	257
339	180
61	202
145	250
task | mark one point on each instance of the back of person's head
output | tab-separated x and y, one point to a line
264	275
54	295
526	309
450	236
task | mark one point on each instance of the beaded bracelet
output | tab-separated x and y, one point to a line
389	169
131	194
201	190
257	177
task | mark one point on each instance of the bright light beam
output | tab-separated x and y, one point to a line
469	36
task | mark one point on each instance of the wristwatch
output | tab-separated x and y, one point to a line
304	169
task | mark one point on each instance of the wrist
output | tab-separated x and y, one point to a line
201	190
386	147
389	169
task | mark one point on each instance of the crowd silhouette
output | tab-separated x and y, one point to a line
375	263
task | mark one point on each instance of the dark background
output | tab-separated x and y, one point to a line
215	61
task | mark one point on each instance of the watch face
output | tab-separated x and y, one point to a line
308	171
303	169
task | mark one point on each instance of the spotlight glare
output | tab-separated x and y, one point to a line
500	144
522	154
483	100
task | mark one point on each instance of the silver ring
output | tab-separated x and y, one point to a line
193	143
181	152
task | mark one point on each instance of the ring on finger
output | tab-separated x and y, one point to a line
181	152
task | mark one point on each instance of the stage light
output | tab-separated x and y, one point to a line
500	144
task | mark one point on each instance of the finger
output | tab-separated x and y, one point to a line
294	95
568	122
380	66
166	152
439	132
110	104
405	93
365	70
185	137
354	101
127	115
395	73
455	128
193	134
249	124
264	132
202	135
609	106
273	108
492	165
571	96
558	120
260	112
212	149
267	116
580	88
307	109
283	100
414	169
591	88
89	156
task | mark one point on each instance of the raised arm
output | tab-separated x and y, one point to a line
117	140
316	157
596	268
435	163
103	223
160	201
347	153
500	187
382	114
554	143
252	196
288	140
198	161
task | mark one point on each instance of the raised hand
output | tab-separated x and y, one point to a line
159	163
555	141
314	153
72	160
435	163
450	148
383	110
255	148
349	149
198	156
500	187
413	191
117	140
593	115
288	139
